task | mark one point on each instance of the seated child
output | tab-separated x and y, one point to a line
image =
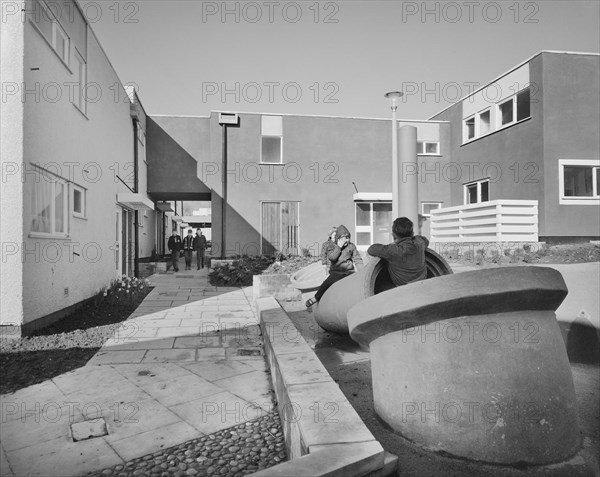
406	256
327	246
343	258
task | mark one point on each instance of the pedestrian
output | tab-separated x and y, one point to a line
188	249
174	245
344	260
200	247
405	257
327	246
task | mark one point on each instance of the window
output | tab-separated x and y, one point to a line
427	207
373	223
271	140
79	205
523	105
476	192
48	25
80	73
579	181
469	128
517	108
428	148
484	123
49	205
506	112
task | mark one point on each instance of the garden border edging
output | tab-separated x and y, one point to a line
324	435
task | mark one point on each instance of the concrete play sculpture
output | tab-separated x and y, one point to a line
474	364
308	279
330	313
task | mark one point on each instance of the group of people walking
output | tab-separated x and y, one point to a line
186	246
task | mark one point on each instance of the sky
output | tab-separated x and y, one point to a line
334	58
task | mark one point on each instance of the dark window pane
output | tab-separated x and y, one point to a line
420	147
523	103
597	192
485	191
578	181
506	111
363	213
431	148
271	149
382	213
470	125
77	206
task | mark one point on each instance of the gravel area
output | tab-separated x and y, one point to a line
233	452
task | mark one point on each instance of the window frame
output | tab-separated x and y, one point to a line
478	184
44	177
466	137
56	30
262	161
83	191
478	132
80	102
439	206
422	148
594	164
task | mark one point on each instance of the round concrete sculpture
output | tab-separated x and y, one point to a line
330	313
308	279
474	364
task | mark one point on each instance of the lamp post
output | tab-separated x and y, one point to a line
394	96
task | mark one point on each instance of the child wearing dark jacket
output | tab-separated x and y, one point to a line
343	258
406	256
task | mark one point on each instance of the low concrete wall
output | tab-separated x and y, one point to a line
324	434
277	286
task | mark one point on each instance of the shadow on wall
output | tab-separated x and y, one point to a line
172	171
582	341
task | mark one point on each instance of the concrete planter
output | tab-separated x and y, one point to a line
474	365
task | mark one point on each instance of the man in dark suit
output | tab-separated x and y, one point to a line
175	245
200	247
188	249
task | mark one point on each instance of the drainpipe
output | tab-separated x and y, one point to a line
136	265
224	195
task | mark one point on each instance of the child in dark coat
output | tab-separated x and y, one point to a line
343	258
406	256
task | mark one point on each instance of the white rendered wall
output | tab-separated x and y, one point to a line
11	158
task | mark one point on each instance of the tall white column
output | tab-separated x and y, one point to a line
405	198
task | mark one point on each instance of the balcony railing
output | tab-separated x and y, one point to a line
493	221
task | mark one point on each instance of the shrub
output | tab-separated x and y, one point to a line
240	272
122	292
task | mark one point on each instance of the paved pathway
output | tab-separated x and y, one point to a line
184	365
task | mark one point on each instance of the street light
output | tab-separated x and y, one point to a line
394	96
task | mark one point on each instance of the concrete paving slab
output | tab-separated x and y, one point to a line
153	441
169	355
40	422
128	419
179	390
16	405
50	458
197	341
143	374
200	307
217	412
89	377
215	370
210	354
254	386
140	344
171	332
5	469
116	357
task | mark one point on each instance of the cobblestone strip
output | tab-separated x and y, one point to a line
233	452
